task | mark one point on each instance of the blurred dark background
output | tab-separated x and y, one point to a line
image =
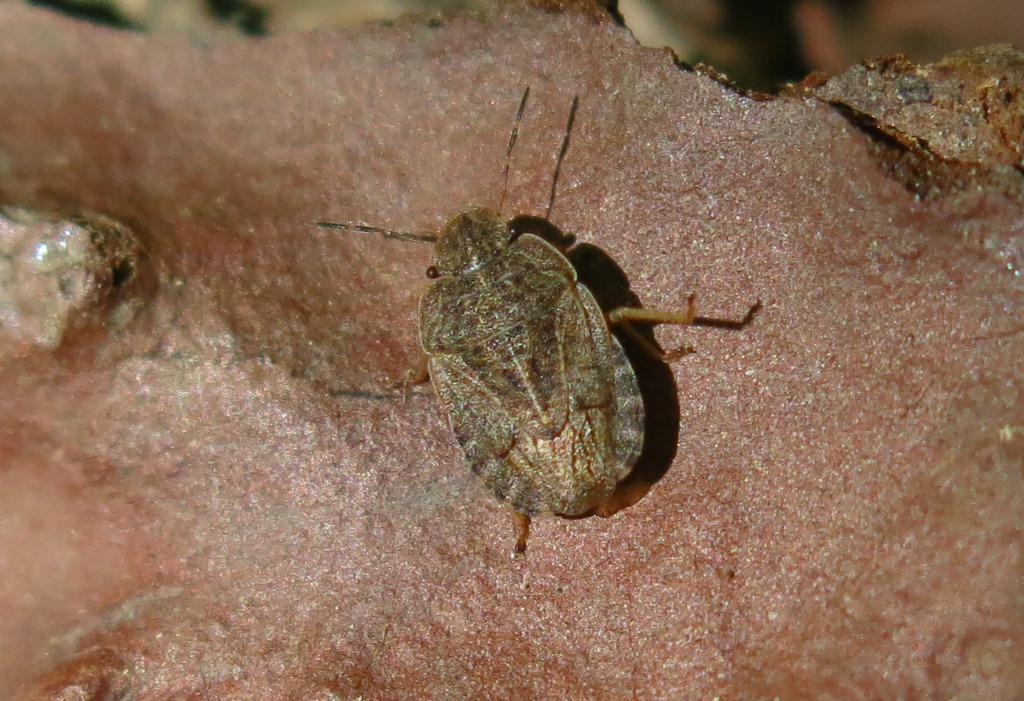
759	44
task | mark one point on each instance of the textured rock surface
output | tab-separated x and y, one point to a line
223	499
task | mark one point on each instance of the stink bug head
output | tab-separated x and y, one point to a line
469	241
472	239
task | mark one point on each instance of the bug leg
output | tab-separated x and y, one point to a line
414	376
419	374
624	318
655	316
681	352
732	324
522	526
640	339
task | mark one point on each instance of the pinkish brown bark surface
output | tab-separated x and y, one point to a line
223	499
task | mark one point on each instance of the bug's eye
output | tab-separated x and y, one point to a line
433	272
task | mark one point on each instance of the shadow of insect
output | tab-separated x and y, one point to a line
610	286
516	337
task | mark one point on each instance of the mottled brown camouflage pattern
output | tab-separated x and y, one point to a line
538	391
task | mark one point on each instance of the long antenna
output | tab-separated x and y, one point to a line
561	154
512	142
367	229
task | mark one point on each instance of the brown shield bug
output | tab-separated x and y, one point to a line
538	391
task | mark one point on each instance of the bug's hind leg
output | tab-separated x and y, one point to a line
655	316
625	317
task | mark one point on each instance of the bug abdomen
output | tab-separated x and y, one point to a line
547	411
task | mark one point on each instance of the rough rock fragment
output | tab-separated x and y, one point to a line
61	275
946	127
